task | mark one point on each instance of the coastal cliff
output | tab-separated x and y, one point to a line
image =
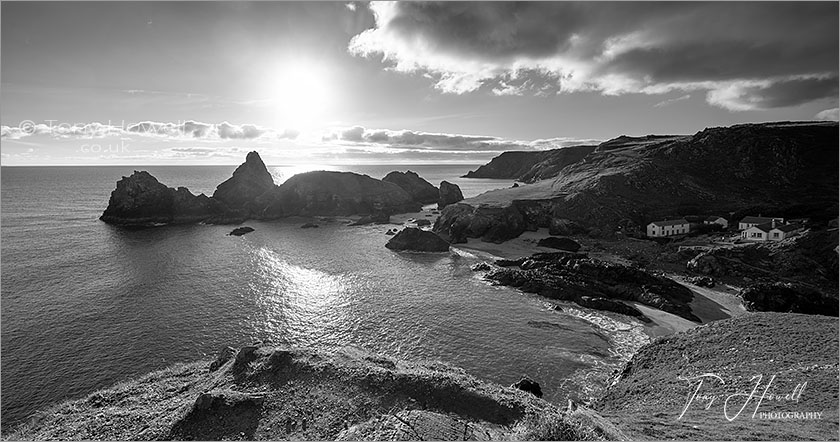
785	168
140	199
530	166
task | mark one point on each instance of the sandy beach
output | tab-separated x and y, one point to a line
709	304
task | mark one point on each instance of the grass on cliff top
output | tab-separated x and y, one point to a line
794	350
312	395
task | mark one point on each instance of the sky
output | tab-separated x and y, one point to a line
143	83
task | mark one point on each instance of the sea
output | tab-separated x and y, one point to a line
86	305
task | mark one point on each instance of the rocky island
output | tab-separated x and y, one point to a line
251	193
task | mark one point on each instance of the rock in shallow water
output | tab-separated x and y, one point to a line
239	231
594	284
529	385
417	240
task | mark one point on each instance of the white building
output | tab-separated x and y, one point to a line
751	221
668	228
772	231
717	220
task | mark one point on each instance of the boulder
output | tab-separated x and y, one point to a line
787	297
423	222
567	244
419	189
480	267
705	264
700	281
417	240
528	385
491	224
239	231
391	232
249	181
449	194
222	357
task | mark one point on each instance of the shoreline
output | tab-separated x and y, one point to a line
709	304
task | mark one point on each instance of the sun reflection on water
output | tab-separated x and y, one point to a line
301	306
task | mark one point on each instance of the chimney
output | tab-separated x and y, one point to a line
773	223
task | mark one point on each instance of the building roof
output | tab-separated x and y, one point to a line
767	227
715	218
787	227
670	222
757	219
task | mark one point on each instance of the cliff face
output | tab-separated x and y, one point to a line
785	168
530	166
251	194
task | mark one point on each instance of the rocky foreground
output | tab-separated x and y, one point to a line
261	392
269	393
141	200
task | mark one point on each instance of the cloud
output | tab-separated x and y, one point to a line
744	56
672	101
408	140
829	114
165	130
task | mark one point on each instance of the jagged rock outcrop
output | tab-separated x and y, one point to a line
530	166
449	194
491	224
249	181
789	298
140	199
419	189
417	240
785	168
251	194
593	283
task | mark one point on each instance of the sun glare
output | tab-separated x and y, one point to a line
299	93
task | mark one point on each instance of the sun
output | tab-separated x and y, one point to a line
298	91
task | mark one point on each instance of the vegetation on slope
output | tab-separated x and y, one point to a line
268	393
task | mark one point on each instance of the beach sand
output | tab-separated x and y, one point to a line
709	304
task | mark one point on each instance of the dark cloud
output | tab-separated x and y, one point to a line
612	47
